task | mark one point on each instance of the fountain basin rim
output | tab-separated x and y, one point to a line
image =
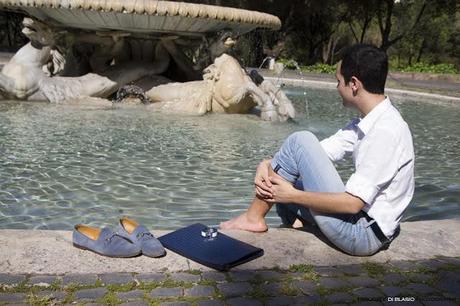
219	18
432	98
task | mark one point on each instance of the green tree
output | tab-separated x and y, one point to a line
11	37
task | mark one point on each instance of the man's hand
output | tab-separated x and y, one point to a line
281	191
261	180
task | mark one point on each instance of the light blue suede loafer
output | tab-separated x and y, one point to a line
104	242
141	236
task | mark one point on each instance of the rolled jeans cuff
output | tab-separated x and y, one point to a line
282	170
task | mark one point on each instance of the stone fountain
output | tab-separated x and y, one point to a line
169	54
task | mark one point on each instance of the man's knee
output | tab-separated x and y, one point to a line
303	142
303	138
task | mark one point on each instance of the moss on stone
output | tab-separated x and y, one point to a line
218	296
421	269
450	267
257	293
72	287
256	280
287	289
33	299
122	287
169	283
207	282
193	272
148	285
374	269
323	291
308	272
156	301
69	298
109	299
302	268
311	276
55	286
21	287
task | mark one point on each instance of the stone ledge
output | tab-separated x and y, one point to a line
426	97
424	76
51	252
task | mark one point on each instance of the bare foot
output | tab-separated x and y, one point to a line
243	222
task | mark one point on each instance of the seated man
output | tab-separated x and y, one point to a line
363	216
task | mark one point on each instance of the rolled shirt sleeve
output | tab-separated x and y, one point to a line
342	142
376	165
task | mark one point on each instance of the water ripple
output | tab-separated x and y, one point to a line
61	166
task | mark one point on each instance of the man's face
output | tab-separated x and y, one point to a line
344	90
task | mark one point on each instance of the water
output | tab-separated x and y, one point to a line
60	165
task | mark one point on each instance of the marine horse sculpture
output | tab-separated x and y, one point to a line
84	48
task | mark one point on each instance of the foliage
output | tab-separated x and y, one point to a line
421	67
320	68
11	36
427	68
317	68
414	33
289	63
410	31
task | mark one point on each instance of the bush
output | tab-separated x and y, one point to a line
288	63
320	68
427	68
417	67
317	68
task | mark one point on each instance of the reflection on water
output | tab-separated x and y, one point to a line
60	166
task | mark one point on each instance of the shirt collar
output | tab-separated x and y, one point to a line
366	123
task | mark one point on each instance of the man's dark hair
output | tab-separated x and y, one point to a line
367	63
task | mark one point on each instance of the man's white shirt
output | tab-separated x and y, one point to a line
383	155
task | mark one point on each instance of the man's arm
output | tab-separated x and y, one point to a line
342	203
341	143
325	202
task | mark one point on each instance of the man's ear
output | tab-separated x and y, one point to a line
355	85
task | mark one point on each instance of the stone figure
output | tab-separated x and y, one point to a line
31	72
63	64
214	47
226	88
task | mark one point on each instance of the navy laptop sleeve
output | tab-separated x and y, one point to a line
220	253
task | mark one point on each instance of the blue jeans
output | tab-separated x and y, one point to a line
302	161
